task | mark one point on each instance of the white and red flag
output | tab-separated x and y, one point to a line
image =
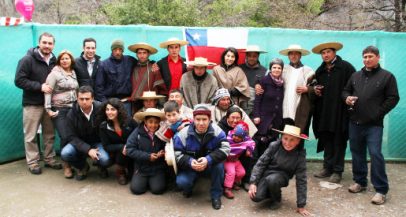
11	21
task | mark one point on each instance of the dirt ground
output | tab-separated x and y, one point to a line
50	194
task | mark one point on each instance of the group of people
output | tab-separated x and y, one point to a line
168	122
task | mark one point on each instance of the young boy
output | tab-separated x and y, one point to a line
283	159
174	122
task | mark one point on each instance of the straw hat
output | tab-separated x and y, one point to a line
293	131
254	48
170	156
171	41
294	47
200	61
150	112
150	95
142	45
333	45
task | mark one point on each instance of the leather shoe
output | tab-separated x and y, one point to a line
216	203
34	169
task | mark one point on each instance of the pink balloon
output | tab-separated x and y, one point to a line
25	8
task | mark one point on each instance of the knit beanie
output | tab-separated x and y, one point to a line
241	129
117	44
220	93
201	109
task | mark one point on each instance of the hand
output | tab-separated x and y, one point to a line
203	162
257	121
161	153
303	211
195	165
317	89
124	151
94	153
258	89
350	100
46	88
252	191
155	67
248	153
153	157
52	114
301	89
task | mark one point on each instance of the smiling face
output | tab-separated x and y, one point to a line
290	142
46	45
89	50
177	97
252	58
65	62
229	58
111	112
152	123
276	70
224	103
233	119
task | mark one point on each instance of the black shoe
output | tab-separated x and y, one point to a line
187	194
103	173
324	173
216	203
82	174
35	169
275	205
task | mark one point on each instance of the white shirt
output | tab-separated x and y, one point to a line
87	115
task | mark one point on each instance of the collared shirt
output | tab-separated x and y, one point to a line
46	59
87	115
90	64
150	134
176	72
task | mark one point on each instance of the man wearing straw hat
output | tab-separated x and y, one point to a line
198	86
172	66
149	99
253	70
283	159
330	119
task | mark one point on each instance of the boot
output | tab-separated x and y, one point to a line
228	193
121	175
67	170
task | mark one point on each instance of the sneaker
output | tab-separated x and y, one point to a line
228	193
53	164
81	174
103	173
324	173
34	169
378	199
216	203
356	188
335	178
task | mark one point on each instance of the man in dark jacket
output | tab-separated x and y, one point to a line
87	65
83	136
330	119
201	148
371	93
114	76
31	74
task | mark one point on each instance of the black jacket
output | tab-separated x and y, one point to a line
83	74
111	140
139	147
254	74
224	125
166	74
377	93
82	132
32	71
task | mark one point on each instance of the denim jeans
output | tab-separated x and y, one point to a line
361	139
60	125
78	159
186	179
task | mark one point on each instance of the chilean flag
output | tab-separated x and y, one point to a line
210	43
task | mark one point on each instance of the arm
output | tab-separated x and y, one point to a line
133	148
262	163
99	84
348	89
22	78
51	81
182	159
73	136
257	106
391	96
301	180
221	153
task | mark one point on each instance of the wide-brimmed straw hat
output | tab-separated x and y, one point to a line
254	49
171	41
170	156
332	45
294	47
150	95
293	131
142	45
150	112
200	61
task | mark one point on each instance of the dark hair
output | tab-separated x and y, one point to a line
232	50
46	34
171	106
233	109
121	112
276	61
371	49
176	91
72	59
86	89
89	40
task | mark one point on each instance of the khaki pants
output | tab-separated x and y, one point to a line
33	116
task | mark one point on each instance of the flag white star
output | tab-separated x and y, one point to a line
196	36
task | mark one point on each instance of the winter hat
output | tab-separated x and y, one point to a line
241	129
201	109
117	44
220	93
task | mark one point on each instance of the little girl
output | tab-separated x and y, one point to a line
240	143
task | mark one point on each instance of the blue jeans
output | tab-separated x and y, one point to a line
78	159
60	125
361	138
186	179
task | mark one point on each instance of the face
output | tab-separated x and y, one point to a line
176	97
229	58
371	60
174	50
276	70
46	45
294	57
117	53
201	123
252	58
237	139
233	119
111	112
172	117
85	100
289	142
152	123
89	50
65	62
142	55
328	55
199	70
150	103
224	103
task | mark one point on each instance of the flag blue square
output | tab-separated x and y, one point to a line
196	37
